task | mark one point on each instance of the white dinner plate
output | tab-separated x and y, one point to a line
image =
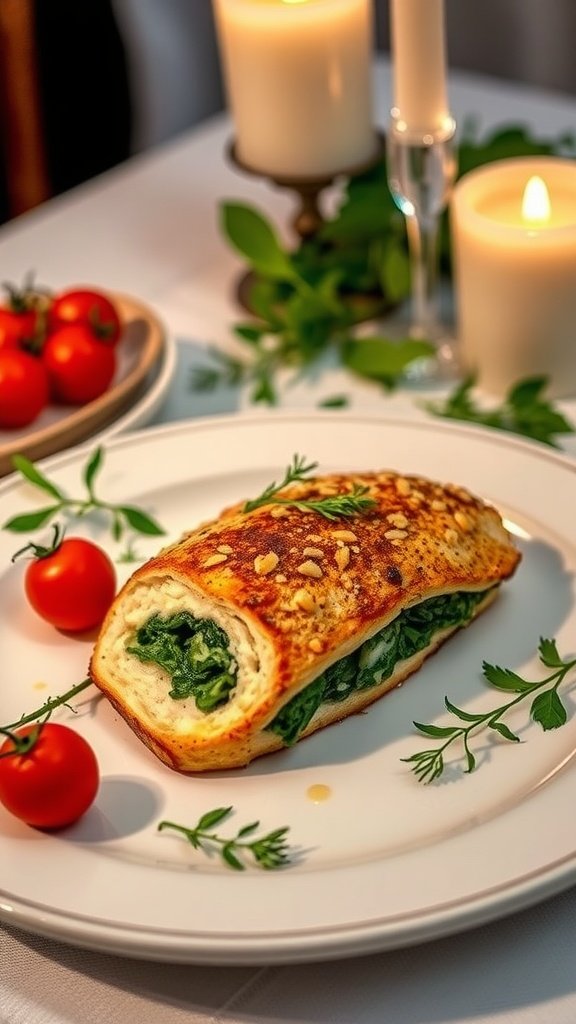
384	861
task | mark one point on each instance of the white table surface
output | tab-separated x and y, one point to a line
149	228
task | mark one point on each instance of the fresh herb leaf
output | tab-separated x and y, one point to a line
269	852
524	411
31	473
121	515
351	503
546	708
382	359
253	236
31	520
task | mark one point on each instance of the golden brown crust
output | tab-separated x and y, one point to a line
313	589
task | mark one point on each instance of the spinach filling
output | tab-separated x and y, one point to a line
194	652
410	632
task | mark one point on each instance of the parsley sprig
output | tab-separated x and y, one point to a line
524	411
123	517
546	708
269	851
351	503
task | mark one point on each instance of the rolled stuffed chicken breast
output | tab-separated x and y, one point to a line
261	627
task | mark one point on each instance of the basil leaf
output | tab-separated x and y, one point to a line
255	239
34	476
30	520
91	469
140	521
382	359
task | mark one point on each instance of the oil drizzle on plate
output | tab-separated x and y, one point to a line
318	793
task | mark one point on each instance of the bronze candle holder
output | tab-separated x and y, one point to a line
308	218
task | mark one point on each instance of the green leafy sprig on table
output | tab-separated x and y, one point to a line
123	517
352	503
524	411
546	708
269	851
308	299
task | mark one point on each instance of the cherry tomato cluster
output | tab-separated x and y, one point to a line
58	348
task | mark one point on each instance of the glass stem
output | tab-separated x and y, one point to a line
423	248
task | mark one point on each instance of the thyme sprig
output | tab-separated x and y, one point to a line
123	517
269	852
546	708
50	705
354	502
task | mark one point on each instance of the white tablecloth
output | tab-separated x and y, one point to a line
149	229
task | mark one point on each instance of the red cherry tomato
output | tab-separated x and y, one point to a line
53	783
80	368
17	327
90	308
23	388
71	586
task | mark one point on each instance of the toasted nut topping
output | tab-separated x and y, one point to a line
418	495
345	535
398	519
342	557
281	578
403	486
450	536
214	560
264	564
316	645
437	505
347	583
395	534
279	512
224	549
303	599
314	538
313	553
310	568
463	521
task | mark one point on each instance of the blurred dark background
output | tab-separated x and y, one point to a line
86	83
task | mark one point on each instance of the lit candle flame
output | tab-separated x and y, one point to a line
536	202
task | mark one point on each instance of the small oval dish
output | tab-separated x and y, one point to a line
140	352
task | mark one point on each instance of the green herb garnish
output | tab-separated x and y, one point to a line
123	516
354	502
308	299
49	706
524	411
269	852
546	708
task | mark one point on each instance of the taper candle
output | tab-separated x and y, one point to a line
419	65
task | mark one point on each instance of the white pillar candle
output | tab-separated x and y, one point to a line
420	100
299	83
514	254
